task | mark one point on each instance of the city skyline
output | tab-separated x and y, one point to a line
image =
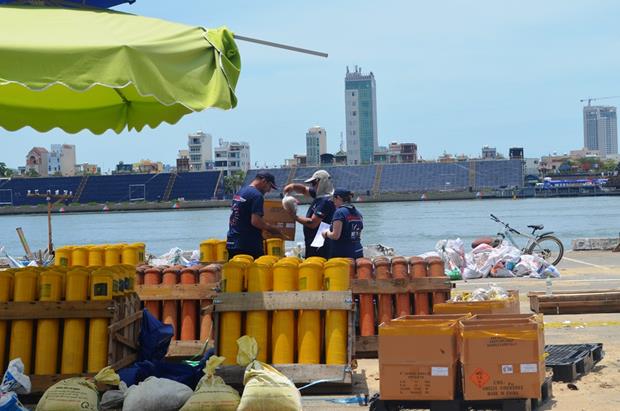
496	74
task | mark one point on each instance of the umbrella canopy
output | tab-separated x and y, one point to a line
102	70
71	3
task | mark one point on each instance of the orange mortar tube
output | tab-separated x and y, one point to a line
400	270
366	304
140	274
382	272
189	308
436	268
208	275
169	310
152	276
421	300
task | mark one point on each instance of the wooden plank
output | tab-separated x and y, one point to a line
543	293
126	341
40	383
401	285
367	347
187	348
579	307
299	374
56	309
124	362
137	316
293	300
177	292
579	297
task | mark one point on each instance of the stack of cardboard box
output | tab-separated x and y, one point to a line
496	357
418	357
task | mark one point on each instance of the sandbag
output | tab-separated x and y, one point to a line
266	389
156	394
72	394
212	393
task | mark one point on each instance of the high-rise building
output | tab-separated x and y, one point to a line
200	145
361	116
232	156
600	129
316	144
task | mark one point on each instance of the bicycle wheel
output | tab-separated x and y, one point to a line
549	248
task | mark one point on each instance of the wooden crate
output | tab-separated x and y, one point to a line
201	292
299	374
124	313
576	302
367	346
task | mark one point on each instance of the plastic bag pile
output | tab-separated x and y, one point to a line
486	261
493	293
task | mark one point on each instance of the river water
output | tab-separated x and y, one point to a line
410	227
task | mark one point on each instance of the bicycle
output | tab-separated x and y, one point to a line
544	245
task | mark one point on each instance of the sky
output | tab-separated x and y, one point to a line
451	76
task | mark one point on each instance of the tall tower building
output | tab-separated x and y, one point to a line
361	116
600	129
316	144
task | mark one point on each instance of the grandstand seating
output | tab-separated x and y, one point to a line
395	178
19	187
195	186
358	179
125	187
499	173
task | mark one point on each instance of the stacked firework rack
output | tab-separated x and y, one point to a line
385	288
177	296
60	334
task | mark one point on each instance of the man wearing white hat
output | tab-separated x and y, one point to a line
321	210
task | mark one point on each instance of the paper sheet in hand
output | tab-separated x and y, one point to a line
318	238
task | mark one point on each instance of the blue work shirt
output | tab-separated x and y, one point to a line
242	235
349	244
324	208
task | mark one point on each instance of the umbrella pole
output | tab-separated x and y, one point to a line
279	45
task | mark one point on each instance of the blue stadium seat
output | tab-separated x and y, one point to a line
19	188
195	186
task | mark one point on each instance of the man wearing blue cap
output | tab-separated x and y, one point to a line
347	226
246	218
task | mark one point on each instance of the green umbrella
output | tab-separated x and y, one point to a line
105	70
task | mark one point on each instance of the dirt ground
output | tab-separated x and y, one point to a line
598	390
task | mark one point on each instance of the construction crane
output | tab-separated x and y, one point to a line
590	99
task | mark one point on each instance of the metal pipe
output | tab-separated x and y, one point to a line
279	45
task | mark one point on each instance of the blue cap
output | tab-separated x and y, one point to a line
342	193
267	176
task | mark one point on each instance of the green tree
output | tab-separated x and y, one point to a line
233	182
609	165
32	173
5	171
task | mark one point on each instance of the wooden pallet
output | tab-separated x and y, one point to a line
367	346
124	313
339	376
518	404
575	302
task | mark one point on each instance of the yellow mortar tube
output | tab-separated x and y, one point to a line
21	330
74	334
100	289
230	322
283	324
309	321
6	293
46	348
336	278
